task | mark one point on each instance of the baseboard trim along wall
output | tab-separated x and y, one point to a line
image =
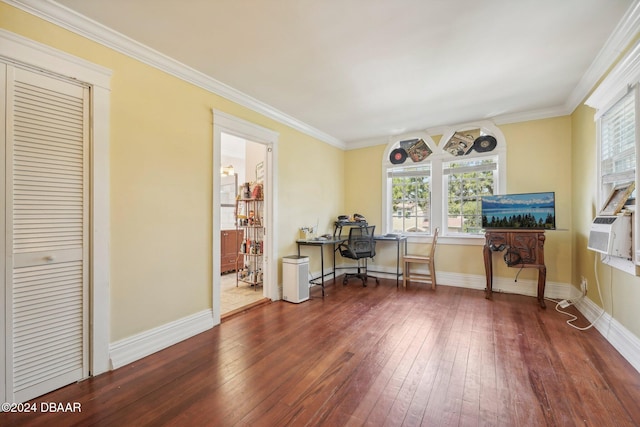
136	347
553	290
626	343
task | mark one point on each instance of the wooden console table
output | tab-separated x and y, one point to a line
523	249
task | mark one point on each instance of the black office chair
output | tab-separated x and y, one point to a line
360	247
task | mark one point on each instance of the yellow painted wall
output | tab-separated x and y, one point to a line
161	182
311	191
620	291
161	172
538	159
584	194
363	181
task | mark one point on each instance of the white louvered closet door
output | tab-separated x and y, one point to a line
47	226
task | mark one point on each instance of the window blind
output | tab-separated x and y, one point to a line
617	146
470	166
405	172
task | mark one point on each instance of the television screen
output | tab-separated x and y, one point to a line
529	210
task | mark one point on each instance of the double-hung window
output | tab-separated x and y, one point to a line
442	184
616	101
410	206
466	181
618	144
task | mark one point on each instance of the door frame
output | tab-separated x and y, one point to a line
26	52
226	123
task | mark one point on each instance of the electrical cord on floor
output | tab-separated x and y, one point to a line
573	317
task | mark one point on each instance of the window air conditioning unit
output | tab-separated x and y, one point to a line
611	235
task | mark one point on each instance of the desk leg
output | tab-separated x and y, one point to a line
542	280
398	264
404	264
334	262
322	268
488	268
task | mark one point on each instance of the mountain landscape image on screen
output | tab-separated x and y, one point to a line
530	210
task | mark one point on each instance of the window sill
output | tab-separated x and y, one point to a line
621	264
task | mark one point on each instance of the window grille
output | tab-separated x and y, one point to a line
466	182
410	199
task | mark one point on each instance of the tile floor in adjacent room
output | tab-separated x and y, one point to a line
234	297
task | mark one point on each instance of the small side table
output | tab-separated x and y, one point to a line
524	249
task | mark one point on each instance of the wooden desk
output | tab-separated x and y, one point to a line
523	249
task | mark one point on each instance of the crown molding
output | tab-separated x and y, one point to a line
625	74
68	19
622	36
620	39
369	142
525	116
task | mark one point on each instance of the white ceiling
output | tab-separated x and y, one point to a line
362	69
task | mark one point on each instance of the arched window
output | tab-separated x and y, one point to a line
428	185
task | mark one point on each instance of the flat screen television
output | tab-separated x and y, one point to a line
526	211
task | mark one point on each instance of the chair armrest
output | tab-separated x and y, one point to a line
347	251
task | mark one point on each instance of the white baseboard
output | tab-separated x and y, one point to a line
143	344
627	344
553	290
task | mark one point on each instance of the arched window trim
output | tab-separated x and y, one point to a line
436	161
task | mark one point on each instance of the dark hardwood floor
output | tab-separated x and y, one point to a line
369	356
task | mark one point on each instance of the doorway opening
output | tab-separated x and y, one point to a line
242	164
257	162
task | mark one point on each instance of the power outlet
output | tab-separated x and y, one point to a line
583	286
